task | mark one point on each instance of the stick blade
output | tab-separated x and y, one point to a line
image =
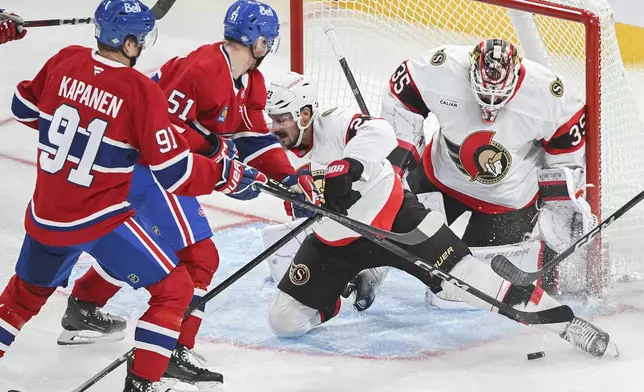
161	8
510	272
559	314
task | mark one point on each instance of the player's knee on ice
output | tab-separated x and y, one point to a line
289	318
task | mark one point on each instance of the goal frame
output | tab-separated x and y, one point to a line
592	27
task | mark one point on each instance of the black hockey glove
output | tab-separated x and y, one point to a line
338	180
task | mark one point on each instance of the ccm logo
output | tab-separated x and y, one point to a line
442	275
594	232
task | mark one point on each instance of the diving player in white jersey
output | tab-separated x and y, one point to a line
509	148
359	181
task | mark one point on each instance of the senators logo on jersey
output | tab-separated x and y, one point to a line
480	158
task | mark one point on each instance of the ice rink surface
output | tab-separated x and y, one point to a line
398	345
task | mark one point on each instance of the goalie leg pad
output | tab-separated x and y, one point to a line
444	249
477	274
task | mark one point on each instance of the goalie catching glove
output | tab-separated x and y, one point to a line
564	215
338	182
302	184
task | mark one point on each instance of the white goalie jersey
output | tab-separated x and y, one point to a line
491	167
342	133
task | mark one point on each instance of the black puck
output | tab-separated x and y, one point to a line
536	355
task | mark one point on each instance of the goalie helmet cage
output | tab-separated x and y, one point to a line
576	38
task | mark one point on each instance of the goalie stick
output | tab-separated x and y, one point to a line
508	271
430	224
209	295
159	10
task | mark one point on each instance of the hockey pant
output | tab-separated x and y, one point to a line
180	222
131	254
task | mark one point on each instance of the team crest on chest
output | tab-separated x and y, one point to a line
480	157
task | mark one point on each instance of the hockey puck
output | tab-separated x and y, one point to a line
537	355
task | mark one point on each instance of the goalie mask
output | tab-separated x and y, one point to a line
287	96
494	73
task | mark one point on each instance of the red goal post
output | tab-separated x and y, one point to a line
578	37
592	26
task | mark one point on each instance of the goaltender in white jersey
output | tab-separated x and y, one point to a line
359	181
484	157
507	134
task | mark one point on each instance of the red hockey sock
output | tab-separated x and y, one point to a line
158	329
19	302
201	260
96	286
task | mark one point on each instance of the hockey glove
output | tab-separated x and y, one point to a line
302	184
222	148
338	181
237	179
564	215
11	27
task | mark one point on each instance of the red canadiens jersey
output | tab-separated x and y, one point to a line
205	100
95	118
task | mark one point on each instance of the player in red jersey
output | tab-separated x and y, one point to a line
215	96
96	116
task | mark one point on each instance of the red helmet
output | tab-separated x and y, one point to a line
494	73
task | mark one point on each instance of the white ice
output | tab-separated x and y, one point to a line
396	345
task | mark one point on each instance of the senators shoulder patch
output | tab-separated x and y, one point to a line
438	58
328	112
557	88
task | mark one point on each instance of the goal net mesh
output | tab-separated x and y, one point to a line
376	35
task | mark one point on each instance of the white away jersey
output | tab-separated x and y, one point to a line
489	167
342	133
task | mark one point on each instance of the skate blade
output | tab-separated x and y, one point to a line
611	350
172	385
75	338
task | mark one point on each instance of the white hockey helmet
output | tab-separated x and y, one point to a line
494	75
289	94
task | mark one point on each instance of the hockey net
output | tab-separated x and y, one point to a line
576	38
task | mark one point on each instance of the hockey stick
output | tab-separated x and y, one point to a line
400	156
329	30
508	271
427	228
210	295
159	10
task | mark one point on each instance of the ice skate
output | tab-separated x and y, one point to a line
365	285
137	384
86	323
187	367
589	338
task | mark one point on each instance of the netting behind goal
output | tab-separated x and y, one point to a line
376	35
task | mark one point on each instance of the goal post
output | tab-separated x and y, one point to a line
576	38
